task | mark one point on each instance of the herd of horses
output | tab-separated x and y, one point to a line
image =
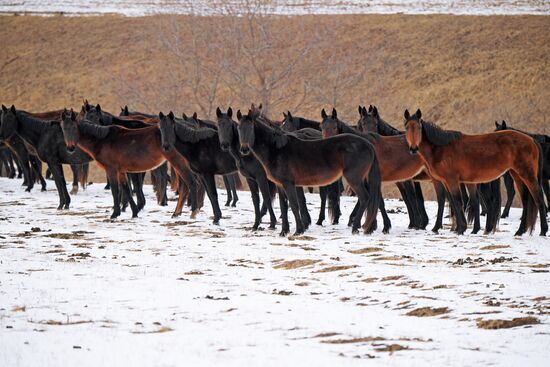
284	157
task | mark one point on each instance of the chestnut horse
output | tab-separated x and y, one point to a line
452	157
119	151
290	162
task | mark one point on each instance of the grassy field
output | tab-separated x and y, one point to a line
464	72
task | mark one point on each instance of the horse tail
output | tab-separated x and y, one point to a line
496	203
334	200
374	188
470	209
84	169
531	209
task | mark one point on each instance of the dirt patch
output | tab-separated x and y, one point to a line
325	335
390	348
176	223
506	324
68	236
393	277
428	311
354	340
301	238
334	268
162	329
365	250
295	264
494	247
194	272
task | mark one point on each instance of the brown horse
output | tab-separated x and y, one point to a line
120	151
452	157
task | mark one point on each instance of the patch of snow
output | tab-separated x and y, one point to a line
79	289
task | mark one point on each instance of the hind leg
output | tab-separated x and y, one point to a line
406	190
546	189
386	219
333	195
254	192
304	213
113	184
457	205
123	184
233	181
535	190
323	196
61	185
36	166
138	187
473	207
510	192
283	203
420	207
227	185
74	169
263	185
295	204
210	184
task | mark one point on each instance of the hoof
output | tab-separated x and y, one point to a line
228	203
114	215
216	222
518	233
66	207
272	226
134	215
28	189
475	231
283	233
335	222
319	222
44	190
543	234
435	230
386	230
60	207
354	231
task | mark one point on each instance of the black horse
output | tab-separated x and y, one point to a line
331	192
46	137
201	148
248	166
290	162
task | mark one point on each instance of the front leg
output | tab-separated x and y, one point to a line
125	187
212	192
283	203
304	213
227	189
255	202
113	184
292	196
57	173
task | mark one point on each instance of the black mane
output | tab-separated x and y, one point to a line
386	129
437	136
344	128
95	130
277	135
190	134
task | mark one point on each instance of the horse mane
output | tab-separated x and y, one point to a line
386	129
34	122
309	123
437	136
346	129
95	130
193	135
278	136
540	138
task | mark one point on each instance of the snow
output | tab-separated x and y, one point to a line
162	291
281	7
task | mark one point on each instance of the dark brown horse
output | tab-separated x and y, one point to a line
290	162
119	151
452	157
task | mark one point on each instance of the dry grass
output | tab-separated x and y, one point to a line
463	71
506	324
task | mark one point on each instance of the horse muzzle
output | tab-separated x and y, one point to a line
224	147
245	150
413	150
71	148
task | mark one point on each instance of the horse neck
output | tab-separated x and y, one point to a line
309	123
263	134
29	128
87	139
386	129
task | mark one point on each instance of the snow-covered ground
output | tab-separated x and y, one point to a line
283	7
79	289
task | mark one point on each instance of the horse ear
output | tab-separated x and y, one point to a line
184	116
250	113
12	108
370	108
4	108
126	110
230	112
418	114
364	110
161	115
285	115
504	124
218	112
375	111
496	124
323	114
360	109
289	114
98	108
260	106
407	115
239	115
63	114
171	115
195	115
334	113
73	115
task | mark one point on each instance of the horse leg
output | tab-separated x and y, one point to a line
464	193
456	195
535	190
113	184
546	189
263	185
353	214
13	172
510	192
210	183
74	169
293	198
441	197
473	207
123	184
361	191
108	184
57	173
138	187
227	185
233	180
254	192
386	219
323	196
406	190
421	208
283	203
36	165
333	195
304	213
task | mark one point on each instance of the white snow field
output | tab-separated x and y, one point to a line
280	7
77	289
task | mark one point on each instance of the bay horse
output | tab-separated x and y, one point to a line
201	148
47	140
544	141
396	163
453	157
119	151
290	162
331	192
248	166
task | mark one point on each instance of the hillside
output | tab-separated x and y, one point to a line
464	72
